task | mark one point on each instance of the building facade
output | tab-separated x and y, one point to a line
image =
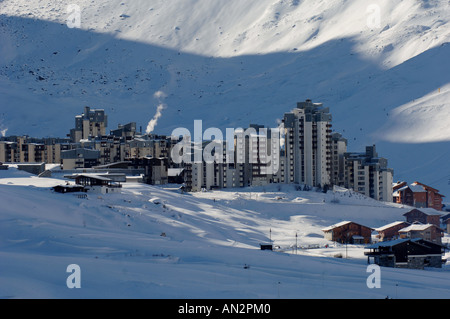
368	174
91	123
308	145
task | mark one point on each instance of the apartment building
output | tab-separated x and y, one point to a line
79	158
91	123
22	149
369	174
9	152
338	150
308	145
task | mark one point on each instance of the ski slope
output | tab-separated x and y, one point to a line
154	242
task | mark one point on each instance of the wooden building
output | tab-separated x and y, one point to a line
423	217
406	253
433	197
428	232
348	232
390	231
69	189
417	195
98	184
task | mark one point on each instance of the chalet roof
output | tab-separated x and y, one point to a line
389	226
343	223
395	242
68	186
426	186
94	176
417	188
336	225
425	211
389	243
417	227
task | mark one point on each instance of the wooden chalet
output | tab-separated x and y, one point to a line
348	232
390	231
406	253
98	183
69	189
428	232
417	195
423	217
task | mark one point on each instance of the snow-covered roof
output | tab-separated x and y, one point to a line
427	211
336	225
389	226
416	227
417	188
94	176
388	243
403	188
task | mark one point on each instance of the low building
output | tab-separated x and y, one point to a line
155	169
79	158
406	253
69	189
98	184
423	216
348	232
32	168
417	195
390	231
428	232
433	197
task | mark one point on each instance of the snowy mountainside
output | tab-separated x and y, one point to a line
152	242
232	63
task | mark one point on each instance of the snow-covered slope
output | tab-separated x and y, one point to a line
382	67
151	242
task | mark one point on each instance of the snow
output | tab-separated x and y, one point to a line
229	63
155	242
416	227
388	226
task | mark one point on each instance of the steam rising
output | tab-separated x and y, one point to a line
153	122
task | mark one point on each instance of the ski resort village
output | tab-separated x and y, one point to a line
292	190
242	150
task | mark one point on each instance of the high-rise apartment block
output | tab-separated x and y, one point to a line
308	145
369	174
91	123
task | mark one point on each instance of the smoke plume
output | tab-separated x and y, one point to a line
154	121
